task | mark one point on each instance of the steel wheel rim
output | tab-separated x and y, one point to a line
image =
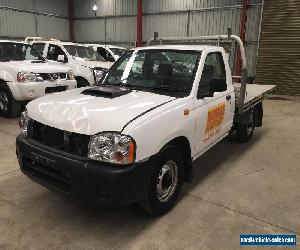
167	181
3	101
250	124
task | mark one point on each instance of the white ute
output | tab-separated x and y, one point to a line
88	65
26	75
134	136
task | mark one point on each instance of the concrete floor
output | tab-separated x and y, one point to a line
238	189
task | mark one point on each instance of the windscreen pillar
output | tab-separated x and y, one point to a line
139	23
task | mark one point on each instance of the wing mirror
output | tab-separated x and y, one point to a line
62	58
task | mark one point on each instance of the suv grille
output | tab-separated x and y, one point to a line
53	76
62	140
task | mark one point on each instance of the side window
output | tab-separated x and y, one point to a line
39	47
109	56
213	74
53	52
102	52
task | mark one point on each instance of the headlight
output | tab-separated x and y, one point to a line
29	77
112	147
23	123
71	75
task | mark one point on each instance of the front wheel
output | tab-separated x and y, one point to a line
9	107
244	132
165	183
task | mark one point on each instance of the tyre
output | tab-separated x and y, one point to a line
9	107
81	82
165	183
244	132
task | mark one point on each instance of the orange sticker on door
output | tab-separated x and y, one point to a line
215	117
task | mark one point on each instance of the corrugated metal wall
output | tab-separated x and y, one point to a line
21	18
116	20
279	53
169	18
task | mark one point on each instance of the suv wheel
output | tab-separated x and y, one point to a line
165	183
9	107
82	83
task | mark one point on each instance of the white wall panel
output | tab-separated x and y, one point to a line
29	18
16	24
165	25
90	30
214	22
59	7
121	29
53	27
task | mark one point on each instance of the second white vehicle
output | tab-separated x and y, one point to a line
88	65
26	75
110	53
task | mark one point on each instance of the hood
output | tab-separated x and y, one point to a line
89	114
38	67
95	64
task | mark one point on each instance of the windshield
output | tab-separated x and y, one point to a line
118	51
83	52
166	71
18	52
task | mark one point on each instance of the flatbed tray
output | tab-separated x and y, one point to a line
255	93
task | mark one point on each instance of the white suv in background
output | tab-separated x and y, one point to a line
110	53
26	75
88	66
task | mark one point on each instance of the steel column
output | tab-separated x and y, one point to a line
246	5
139	23
71	20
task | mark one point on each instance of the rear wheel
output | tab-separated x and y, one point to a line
9	107
244	132
166	182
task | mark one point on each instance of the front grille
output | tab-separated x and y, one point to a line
53	76
73	143
46	174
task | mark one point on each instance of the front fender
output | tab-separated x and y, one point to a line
155	129
10	81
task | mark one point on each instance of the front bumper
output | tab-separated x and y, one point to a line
32	90
80	178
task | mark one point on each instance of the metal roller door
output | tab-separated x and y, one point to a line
279	49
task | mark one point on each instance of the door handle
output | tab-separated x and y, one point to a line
228	97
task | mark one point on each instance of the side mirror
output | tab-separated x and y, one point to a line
62	58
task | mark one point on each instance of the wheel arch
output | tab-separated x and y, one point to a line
78	78
183	144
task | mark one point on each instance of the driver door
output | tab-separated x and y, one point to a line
213	111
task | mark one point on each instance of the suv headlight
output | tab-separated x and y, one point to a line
112	147
23	123
70	75
29	77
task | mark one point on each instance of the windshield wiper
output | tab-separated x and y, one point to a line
168	88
